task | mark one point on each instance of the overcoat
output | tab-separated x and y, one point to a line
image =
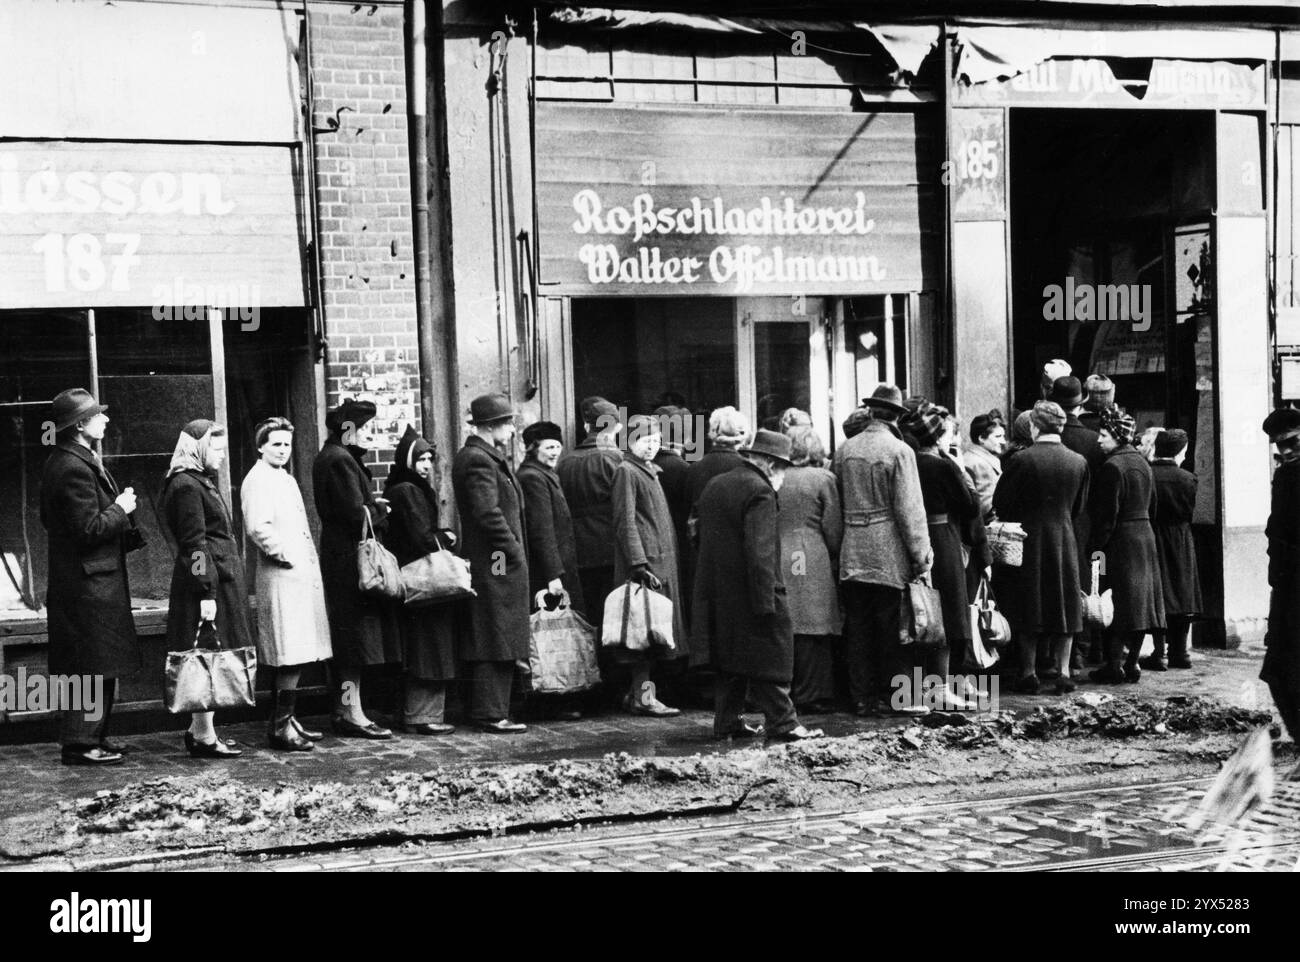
494	540
552	547
675	479
89	599
742	618
363	628
1086	443
644	535
984	468
292	625
951	504
428	633
207	566
1175	502
700	473
811	527
1282	642
1123	506
1044	487
587	479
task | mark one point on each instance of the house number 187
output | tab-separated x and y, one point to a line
79	261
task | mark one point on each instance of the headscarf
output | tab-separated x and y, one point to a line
1120	425
191	453
409	449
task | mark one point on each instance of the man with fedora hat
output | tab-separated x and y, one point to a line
90	529
886	545
1281	668
495	542
741	614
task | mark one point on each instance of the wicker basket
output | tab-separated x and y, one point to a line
1007	543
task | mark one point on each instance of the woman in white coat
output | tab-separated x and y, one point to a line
292	626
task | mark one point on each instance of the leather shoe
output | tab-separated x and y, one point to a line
308	733
1106	675
1153	663
503	726
95	755
799	734
1065	685
217	749
1132	674
1176	661
428	728
114	748
350	729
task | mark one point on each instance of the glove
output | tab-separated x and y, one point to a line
642	575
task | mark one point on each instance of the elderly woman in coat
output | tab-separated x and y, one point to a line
1044	487
1175	502
363	629
292	625
88	519
207	588
495	542
811	528
1123	505
742	616
645	550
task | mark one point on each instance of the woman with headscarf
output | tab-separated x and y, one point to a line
207	589
1123	505
363	630
1022	438
292	627
429	633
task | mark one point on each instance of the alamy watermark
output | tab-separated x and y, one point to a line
684	433
943	692
191	302
40	692
1098	302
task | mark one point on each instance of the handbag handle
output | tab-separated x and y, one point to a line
1096	574
199	631
539	601
366	524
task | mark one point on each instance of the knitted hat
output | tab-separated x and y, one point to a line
1100	392
925	424
1120	425
1048	416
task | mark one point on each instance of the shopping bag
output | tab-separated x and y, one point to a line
561	649
1006	541
920	621
1098	609
979	653
437	578
378	572
638	619
994	628
205	679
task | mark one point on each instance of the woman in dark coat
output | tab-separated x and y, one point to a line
495	542
728	430
208	588
951	503
1175	502
91	631
428	633
676	425
363	629
1281	669
645	550
1123	506
1043	487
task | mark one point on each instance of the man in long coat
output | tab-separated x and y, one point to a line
1083	441
1282	655
587	479
91	631
740	596
494	540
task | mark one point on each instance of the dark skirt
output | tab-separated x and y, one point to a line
429	641
814	678
183	615
949	576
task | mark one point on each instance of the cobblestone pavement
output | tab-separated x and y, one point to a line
1134	828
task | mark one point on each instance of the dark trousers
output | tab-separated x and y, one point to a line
1175	636
871	640
771	699
76	731
1287	699
490	690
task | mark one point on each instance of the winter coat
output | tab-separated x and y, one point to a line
984	468
674	477
951	504
1044	487
292	625
742	619
495	542
207	566
1123	505
717	461
363	628
811	527
1282	642
643	535
1175	502
552	547
886	541
587	479
428	633
1086	443
88	603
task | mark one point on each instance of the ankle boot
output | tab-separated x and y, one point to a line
284	734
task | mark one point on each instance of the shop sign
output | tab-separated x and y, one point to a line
136	225
1174	84
977	170
736	203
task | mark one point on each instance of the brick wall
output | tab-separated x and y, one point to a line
364	195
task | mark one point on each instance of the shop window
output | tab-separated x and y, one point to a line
876	334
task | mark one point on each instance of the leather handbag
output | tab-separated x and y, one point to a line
437	578
638	619
561	649
205	679
920	621
1098	609
993	625
378	572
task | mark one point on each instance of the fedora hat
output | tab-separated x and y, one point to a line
74	405
1067	392
772	443
887	397
487	408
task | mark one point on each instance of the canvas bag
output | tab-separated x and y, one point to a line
920	621
561	649
637	618
205	679
1098	609
436	578
378	572
985	622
